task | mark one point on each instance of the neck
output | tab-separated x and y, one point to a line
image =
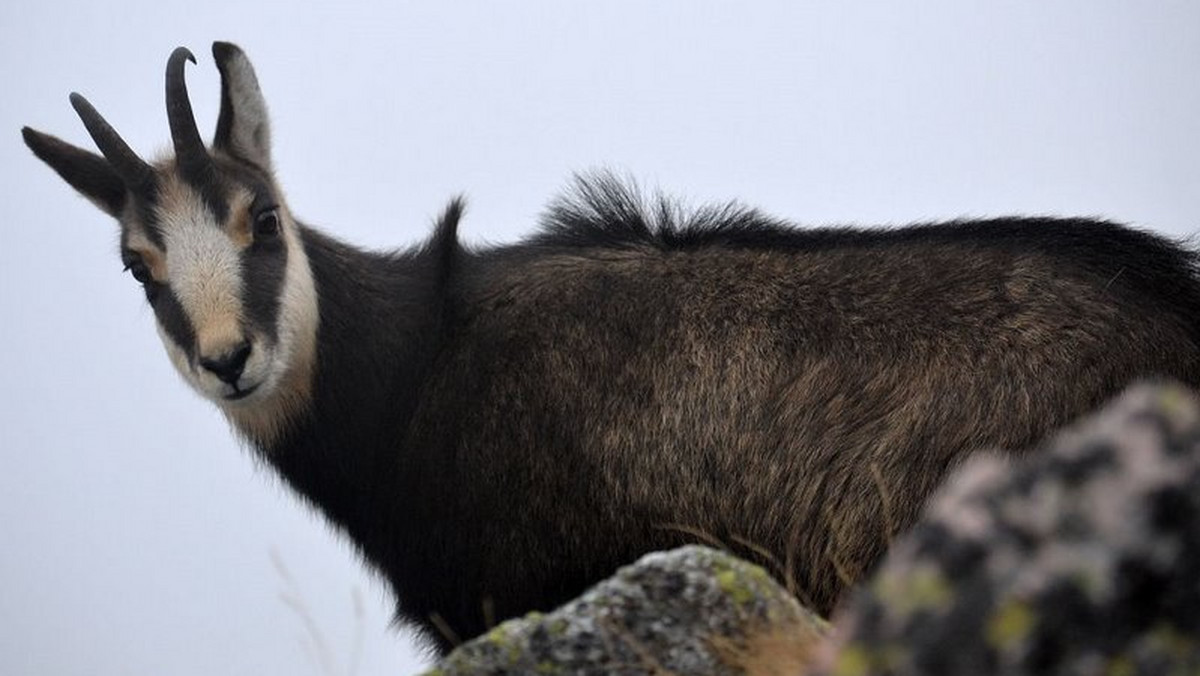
378	329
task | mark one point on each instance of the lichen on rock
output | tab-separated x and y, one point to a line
692	610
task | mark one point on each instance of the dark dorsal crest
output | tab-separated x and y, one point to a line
109	180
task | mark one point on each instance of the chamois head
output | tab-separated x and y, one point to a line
208	236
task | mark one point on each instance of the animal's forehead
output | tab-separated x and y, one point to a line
180	206
228	175
176	205
179	214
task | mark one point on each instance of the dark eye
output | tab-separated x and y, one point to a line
139	271
266	223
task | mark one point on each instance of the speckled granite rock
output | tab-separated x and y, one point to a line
692	610
1083	559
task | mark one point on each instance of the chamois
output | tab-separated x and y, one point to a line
497	428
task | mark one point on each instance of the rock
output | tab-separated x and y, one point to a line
692	610
1082	559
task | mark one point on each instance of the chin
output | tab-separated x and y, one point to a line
242	395
250	391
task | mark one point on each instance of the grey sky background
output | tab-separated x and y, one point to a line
135	532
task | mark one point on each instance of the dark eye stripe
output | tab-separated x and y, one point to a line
145	211
213	193
147	214
172	317
263	266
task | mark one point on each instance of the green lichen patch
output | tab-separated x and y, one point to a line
1010	625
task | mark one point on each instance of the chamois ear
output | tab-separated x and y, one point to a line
86	171
243	129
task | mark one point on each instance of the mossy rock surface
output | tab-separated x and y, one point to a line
692	610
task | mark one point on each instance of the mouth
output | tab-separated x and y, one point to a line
240	394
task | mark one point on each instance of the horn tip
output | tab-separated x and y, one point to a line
183	53
80	104
39	142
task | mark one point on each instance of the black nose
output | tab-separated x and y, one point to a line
228	367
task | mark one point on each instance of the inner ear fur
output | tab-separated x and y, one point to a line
243	128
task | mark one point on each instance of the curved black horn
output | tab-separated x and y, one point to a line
133	170
190	153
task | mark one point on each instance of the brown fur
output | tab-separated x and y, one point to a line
777	396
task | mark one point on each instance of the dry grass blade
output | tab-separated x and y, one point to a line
845	575
783	571
314	640
782	650
488	607
704	536
890	527
445	629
